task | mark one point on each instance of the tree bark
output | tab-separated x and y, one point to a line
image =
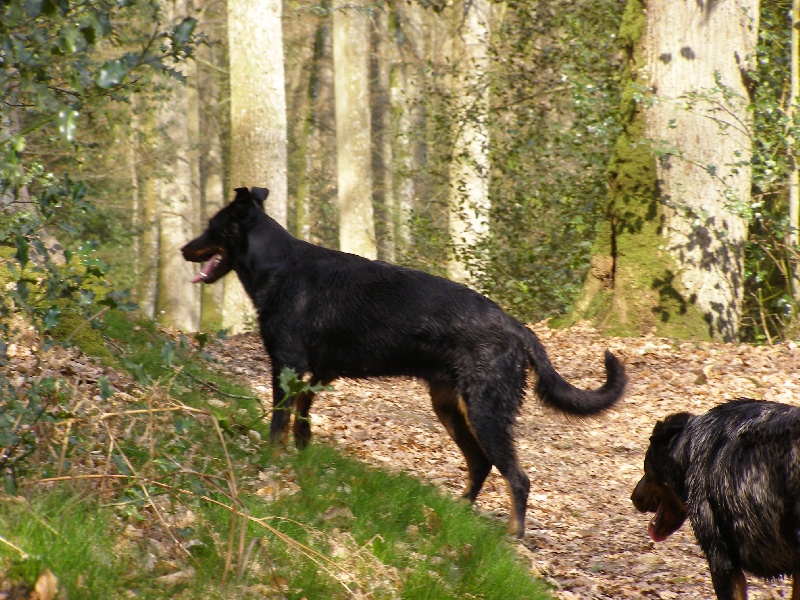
177	300
258	121
469	203
405	77
669	259
353	140
794	179
210	85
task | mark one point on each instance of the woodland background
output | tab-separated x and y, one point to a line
509	145
626	163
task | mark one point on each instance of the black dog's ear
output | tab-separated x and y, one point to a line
242	194
259	195
670	427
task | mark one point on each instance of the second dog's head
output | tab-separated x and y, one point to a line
661	490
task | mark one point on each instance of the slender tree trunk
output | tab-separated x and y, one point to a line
469	171
794	180
210	86
177	300
405	31
353	142
310	134
669	258
136	203
148	260
383	135
258	121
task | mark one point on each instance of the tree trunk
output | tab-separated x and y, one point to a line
670	257
147	287
258	121
469	203
383	135
316	106
211	86
353	141
794	180
405	30
177	300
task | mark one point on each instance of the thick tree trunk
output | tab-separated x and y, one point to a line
469	170
258	121
697	54
669	259
353	140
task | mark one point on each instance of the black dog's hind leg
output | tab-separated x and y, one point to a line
448	408
493	426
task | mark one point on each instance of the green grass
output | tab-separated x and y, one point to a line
320	525
75	539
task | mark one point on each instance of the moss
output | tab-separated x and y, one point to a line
88	339
633	286
634	22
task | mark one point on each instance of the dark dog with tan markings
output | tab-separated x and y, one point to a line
735	472
329	314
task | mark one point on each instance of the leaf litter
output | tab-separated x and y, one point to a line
583	534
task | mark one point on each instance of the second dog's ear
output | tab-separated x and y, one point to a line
670	427
259	195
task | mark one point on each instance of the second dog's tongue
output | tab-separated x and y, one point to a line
651	530
205	271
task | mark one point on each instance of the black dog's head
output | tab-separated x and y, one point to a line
224	238
661	490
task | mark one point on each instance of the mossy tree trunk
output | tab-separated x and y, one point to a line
669	258
210	88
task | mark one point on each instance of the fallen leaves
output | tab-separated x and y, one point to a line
583	534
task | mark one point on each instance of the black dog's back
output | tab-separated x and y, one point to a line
360	318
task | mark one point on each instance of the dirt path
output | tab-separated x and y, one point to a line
583	533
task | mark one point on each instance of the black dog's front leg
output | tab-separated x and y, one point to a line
728	580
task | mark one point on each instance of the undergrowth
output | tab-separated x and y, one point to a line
150	479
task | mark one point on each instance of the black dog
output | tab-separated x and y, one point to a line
735	472
330	314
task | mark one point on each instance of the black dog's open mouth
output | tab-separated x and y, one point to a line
655	525
208	271
670	513
216	263
212	270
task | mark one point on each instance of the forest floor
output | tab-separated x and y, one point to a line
583	534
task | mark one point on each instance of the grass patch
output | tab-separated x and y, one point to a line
155	486
73	538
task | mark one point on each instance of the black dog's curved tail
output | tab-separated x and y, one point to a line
554	391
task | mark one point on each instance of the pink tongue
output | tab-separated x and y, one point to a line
651	531
206	270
